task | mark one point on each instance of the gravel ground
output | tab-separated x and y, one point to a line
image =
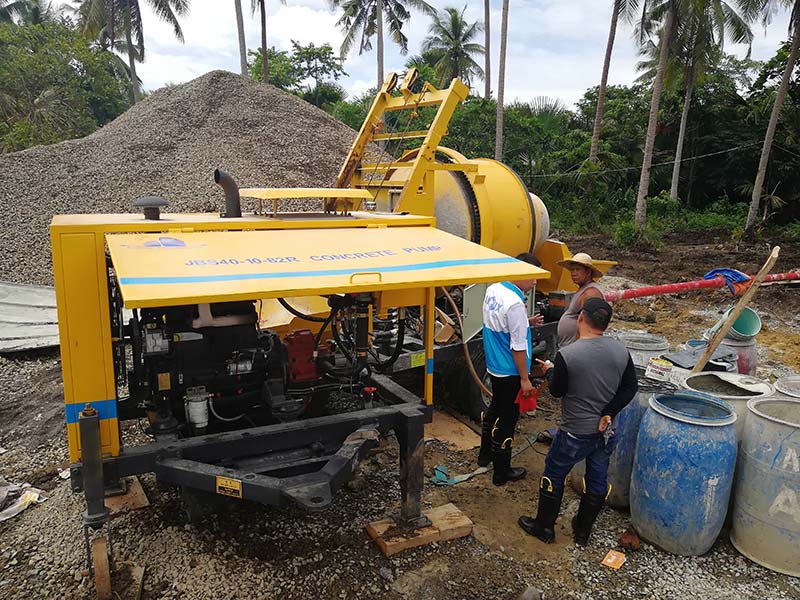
167	145
249	551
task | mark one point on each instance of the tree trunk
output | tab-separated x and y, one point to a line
687	101
134	95
487	55
264	59
379	34
240	29
752	214
692	170
501	83
644	180
601	93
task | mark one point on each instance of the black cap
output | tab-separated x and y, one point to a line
599	312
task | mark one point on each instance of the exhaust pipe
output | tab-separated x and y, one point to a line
233	204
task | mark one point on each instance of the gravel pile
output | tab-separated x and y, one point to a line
167	145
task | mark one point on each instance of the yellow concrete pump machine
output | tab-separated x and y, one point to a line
259	346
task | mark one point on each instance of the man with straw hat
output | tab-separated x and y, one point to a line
583	274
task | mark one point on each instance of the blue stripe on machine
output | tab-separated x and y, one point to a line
244	276
429	366
107	409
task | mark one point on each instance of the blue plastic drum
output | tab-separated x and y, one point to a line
683	470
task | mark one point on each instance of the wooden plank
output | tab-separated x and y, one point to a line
133	499
450	521
447	523
739	308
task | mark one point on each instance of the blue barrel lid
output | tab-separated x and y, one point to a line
697	408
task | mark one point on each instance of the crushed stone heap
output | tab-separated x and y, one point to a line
166	145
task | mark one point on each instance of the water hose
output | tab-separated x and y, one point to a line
464	346
298	314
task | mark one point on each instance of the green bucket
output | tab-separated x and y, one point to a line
745	327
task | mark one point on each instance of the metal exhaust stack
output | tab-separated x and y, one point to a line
233	203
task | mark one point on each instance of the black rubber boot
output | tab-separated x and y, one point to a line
543	526
503	471
590	507
485	453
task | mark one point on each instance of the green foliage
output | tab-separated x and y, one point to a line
324	95
318	63
55	86
283	72
353	112
451	40
308	71
625	233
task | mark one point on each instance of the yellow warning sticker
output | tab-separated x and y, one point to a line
164	382
229	487
418	359
614	559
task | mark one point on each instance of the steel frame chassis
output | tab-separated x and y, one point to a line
302	462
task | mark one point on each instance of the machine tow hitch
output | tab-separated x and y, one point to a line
259	477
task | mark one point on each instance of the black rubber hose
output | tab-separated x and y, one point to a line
398	348
338	339
300	315
321	332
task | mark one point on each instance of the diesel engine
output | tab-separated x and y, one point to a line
208	367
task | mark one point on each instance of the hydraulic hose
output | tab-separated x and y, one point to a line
398	347
464	346
298	314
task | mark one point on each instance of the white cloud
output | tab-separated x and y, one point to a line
556	47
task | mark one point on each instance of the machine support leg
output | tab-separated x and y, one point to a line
92	462
98	548
411	437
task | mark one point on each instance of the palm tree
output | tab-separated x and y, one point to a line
709	25
487	58
450	37
501	83
28	12
655	11
698	44
240	29
103	15
620	8
261	5
766	8
364	18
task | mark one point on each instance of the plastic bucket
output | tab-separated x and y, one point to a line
746	326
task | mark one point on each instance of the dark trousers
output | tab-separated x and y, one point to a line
568	449
503	413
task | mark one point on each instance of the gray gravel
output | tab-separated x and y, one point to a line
167	145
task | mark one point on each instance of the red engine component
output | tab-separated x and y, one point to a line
300	349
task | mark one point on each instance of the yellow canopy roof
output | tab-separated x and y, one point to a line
214	266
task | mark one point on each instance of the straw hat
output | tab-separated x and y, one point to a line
581	259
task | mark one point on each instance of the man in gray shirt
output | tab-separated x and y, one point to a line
595	378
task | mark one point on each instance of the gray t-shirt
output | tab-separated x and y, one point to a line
594	372
568	323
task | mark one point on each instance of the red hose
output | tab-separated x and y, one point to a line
687	286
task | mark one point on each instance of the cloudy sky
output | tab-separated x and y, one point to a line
555	47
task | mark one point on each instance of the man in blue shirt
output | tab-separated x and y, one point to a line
507	346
